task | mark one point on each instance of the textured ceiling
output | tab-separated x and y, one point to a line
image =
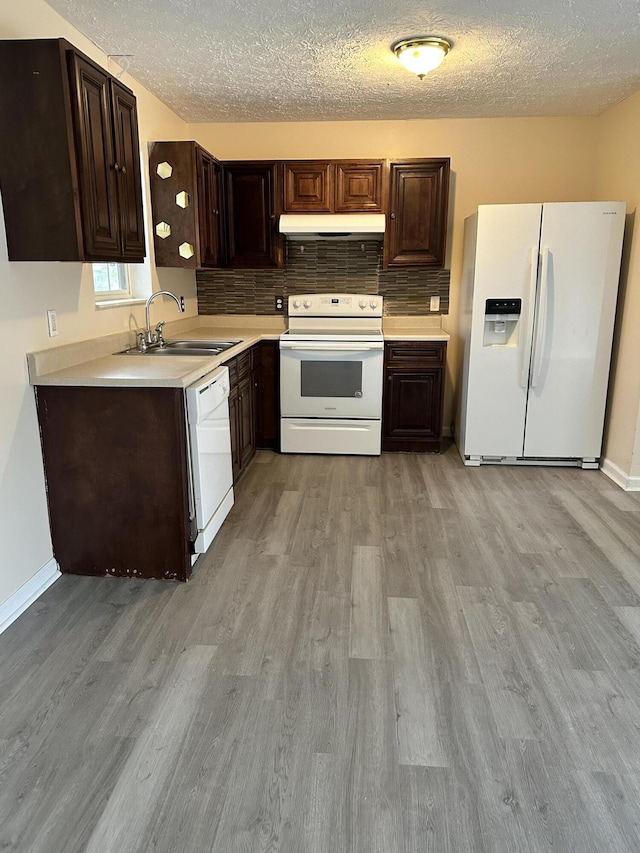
300	60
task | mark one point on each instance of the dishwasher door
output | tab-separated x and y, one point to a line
210	440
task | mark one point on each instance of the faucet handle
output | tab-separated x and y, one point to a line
159	338
142	343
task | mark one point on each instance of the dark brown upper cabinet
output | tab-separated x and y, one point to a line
307	187
343	186
417	221
186	204
359	187
69	157
251	193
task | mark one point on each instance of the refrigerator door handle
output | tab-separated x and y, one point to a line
528	320
541	320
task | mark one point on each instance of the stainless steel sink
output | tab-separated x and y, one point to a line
193	348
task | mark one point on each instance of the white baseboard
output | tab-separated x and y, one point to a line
24	597
620	477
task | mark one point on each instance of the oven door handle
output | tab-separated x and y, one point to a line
330	347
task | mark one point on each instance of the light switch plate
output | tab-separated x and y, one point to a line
52	322
434	303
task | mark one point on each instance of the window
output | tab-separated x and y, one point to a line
111	281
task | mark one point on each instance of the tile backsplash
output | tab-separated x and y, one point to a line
318	266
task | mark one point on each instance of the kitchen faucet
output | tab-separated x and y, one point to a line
148	338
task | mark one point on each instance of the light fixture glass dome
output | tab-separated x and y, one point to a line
421	55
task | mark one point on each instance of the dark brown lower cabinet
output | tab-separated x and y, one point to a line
253	403
117	480
413	396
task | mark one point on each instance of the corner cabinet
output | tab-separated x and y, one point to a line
116	469
69	157
417	213
185	199
251	194
253	403
413	395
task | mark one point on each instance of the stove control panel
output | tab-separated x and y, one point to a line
335	305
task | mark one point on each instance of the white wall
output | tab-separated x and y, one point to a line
26	291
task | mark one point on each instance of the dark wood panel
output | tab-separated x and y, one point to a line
251	212
180	157
246	425
410	353
267	415
418	204
128	175
208	184
359	187
38	171
94	141
308	187
116	470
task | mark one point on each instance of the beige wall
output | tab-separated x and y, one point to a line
618	176
492	161
28	289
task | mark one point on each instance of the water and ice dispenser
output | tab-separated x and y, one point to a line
501	322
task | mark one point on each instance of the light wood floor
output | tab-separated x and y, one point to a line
377	655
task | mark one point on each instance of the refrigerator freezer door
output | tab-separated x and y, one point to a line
572	339
501	264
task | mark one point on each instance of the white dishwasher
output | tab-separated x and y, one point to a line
210	450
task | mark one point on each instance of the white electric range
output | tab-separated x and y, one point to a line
331	360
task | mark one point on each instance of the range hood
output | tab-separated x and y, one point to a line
333	226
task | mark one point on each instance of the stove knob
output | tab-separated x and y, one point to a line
296	303
307	303
363	304
373	304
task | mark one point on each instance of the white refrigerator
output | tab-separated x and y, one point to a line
538	303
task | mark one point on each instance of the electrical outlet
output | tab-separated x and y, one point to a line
279	303
434	303
182	303
52	322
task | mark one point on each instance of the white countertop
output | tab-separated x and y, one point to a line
93	362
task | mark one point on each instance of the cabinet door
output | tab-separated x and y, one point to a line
417	228
245	421
358	187
308	187
251	213
97	175
208	181
413	409
235	432
127	170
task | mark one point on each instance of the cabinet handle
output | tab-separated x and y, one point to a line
389	378
124	170
273	216
392	216
116	167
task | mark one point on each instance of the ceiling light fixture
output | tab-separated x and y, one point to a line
421	55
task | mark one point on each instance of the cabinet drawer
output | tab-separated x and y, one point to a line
415	353
244	364
256	356
232	364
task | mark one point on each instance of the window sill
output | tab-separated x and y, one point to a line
119	303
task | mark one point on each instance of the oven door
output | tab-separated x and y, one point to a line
331	379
